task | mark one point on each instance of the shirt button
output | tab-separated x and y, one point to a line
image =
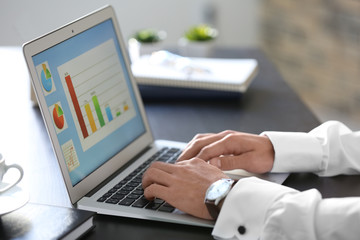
241	230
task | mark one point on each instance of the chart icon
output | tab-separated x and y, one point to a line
46	78
58	117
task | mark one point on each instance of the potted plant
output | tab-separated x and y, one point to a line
145	41
198	41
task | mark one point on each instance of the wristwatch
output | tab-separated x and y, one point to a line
215	193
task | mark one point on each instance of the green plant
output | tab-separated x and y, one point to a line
149	36
201	32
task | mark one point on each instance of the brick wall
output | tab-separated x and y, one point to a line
315	44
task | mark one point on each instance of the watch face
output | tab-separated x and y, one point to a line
218	189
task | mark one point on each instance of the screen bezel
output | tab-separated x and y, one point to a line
55	37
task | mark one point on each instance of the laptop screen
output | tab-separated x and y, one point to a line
89	95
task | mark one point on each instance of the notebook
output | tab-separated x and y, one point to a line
96	119
163	68
39	221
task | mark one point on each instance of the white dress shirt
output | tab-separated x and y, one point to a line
257	209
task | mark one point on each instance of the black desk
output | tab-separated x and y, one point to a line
269	104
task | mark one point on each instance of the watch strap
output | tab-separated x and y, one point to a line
212	209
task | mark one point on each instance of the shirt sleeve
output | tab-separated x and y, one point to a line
328	150
257	209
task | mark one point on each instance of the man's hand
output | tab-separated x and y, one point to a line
182	185
230	150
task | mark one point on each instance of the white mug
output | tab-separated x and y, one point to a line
3	169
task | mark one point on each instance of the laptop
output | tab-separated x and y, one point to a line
96	120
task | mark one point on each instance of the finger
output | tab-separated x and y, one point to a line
190	162
190	147
229	162
155	175
214	150
231	144
198	143
156	191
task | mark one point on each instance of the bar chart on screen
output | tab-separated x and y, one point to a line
97	93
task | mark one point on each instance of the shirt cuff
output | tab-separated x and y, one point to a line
243	213
296	152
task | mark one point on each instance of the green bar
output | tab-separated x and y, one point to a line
98	110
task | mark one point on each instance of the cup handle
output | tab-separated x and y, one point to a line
18	167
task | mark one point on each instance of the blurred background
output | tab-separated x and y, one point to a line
314	44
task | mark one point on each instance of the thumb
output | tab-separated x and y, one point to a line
244	161
227	162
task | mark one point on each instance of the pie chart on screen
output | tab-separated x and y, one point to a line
46	78
58	116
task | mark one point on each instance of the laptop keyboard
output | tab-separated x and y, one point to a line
129	192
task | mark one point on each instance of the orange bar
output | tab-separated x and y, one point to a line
76	106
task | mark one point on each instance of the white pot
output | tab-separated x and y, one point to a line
137	49
196	49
